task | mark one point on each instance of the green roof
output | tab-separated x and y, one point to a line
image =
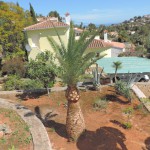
129	64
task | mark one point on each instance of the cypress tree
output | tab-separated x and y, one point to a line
17	4
32	12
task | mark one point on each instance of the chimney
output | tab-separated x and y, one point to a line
105	36
67	18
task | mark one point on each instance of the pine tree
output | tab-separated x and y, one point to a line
32	12
17	4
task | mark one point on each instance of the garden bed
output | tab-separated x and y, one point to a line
105	126
14	132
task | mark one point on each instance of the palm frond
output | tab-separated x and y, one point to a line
60	40
73	60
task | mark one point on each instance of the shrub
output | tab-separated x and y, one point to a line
28	84
11	83
127	125
100	104
123	89
128	111
14	66
15	83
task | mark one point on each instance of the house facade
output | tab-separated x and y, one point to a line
37	37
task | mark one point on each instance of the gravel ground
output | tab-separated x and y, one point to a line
145	88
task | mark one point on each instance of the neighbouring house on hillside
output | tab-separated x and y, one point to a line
115	48
78	31
37	36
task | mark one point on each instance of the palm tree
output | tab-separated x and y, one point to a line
117	65
74	61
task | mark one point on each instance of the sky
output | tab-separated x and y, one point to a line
90	11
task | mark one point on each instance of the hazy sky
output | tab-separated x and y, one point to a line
87	11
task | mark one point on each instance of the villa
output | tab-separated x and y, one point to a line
37	36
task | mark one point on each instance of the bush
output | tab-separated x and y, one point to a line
123	89
28	84
15	83
14	66
11	83
100	104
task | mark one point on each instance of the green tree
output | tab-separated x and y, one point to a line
147	43
32	12
81	25
42	69
91	27
12	21
117	65
17	4
74	61
55	14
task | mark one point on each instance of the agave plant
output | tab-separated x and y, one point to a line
74	60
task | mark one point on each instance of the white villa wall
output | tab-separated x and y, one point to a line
38	41
116	51
107	52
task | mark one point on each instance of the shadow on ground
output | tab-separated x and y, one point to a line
30	95
104	138
59	128
147	143
114	98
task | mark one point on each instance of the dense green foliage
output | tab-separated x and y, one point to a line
55	14
16	83
32	12
123	89
136	31
42	69
12	21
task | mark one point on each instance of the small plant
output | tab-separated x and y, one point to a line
2	140
58	103
127	125
28	139
100	104
12	148
15	133
27	128
139	107
128	111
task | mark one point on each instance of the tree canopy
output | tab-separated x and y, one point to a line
12	21
55	14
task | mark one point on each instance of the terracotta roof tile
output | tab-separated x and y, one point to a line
98	44
117	44
45	25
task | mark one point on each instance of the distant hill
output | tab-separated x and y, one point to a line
135	21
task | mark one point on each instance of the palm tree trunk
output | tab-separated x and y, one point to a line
115	75
75	124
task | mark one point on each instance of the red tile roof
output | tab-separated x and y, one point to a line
46	25
117	44
98	44
78	29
